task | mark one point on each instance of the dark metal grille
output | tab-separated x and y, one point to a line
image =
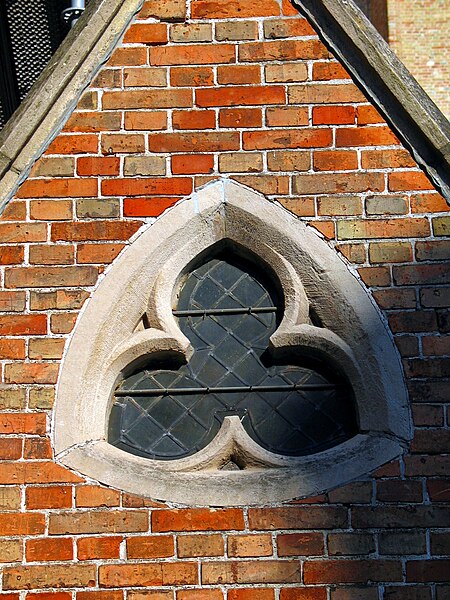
30	33
229	316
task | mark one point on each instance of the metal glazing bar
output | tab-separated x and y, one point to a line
247	310
226	389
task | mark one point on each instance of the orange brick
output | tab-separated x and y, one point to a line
192	54
326	228
122	142
91	122
52	255
95	496
266	184
22	524
58	188
145	121
31	372
63	323
102	521
424	203
240	117
48	576
338	183
46	549
368	115
325	93
13	349
191	76
287	28
147	207
282	50
103	595
375	276
303	207
151	187
146	33
198	142
94	548
35	472
250	545
16	210
98	253
267	571
288	161
37	448
140	99
170	10
22	423
50	276
386	159
194	119
145	77
240	96
408	180
197	519
123	57
74	144
98	165
10	449
49	497
51	210
286	73
327	71
200	594
49	596
355	253
238	74
335	160
11	255
333	115
94	230
23	232
160	546
190	546
251	594
234	9
287	138
184	164
287	116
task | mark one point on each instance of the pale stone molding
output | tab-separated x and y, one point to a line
144	280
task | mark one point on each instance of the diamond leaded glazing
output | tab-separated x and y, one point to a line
228	315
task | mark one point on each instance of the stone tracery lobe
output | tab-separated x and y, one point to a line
291	410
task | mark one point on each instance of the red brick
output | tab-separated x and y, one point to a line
37	448
426	203
50	596
196	142
22	423
81	231
51	255
368	115
123	57
431	441
146	33
90	122
427	415
420	274
205	594
104	521
439	490
15	210
282	50
326	228
194	119
333	115
325	93
233	9
122	142
35	472
408	180
152	187
365	136
148	574
74	144
240	117
98	165
191	76
192	54
46	549
102	595
399	491
94	548
170	10
58	188
51	210
31	372
160	546
12	349
264	571
300	544
11	255
286	138
395	228
50	276
250	545
386	159
49	497
355	571
287	116
190	546
147	207
184	164
22	524
304	593
240	96
287	28
251	594
428	570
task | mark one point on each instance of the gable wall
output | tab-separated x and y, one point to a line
248	92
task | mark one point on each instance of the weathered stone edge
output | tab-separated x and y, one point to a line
54	95
383	77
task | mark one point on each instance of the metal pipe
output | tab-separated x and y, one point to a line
225	389
71	14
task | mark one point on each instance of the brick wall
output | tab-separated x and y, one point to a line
245	91
418	34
